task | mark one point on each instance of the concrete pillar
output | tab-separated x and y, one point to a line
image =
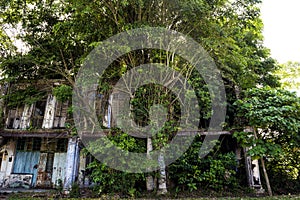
162	181
72	163
149	178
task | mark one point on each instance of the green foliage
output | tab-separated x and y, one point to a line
7	48
110	180
63	92
28	95
285	170
61	35
275	115
289	74
275	111
259	147
190	172
75	190
60	186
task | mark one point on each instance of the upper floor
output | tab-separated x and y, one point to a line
43	111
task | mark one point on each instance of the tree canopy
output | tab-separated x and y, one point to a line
289	74
61	33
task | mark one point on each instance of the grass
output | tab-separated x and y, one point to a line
21	197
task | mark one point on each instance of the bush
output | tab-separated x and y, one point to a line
214	171
75	190
113	181
63	92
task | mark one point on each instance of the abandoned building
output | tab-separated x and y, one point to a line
37	150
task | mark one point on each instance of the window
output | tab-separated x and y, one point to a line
29	144
62	145
21	144
49	164
36	144
38	114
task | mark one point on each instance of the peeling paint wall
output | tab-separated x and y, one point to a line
18	181
59	168
60	115
43	177
82	179
49	112
47	165
7	161
253	173
72	163
26	115
54	160
26	163
14	118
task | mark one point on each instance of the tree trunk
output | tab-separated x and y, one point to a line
264	169
266	177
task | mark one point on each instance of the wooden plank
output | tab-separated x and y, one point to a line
36	133
179	133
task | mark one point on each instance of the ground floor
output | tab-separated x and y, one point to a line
41	162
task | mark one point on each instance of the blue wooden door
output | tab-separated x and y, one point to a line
26	162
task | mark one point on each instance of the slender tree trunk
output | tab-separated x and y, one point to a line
264	169
266	177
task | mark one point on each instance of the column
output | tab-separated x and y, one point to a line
71	163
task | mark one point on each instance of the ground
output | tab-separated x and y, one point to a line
39	194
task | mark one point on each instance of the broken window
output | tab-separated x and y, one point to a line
21	144
36	144
60	114
38	114
14	118
29	144
62	145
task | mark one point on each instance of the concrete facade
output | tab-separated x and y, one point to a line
36	151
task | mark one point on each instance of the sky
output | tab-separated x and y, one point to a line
281	20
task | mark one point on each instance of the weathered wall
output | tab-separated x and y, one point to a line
43	177
26	163
26	115
59	168
46	167
7	162
49	112
72	163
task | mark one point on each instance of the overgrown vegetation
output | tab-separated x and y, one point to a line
60	35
